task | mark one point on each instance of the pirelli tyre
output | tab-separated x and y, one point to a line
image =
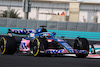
81	44
37	45
8	45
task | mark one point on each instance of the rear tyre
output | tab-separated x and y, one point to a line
8	45
81	44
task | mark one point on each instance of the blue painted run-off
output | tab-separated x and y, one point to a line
65	33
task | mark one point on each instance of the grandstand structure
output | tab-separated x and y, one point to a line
75	10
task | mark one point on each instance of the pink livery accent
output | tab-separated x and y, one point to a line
25	45
11	30
97	46
93	56
65	51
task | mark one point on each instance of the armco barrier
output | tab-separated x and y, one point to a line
67	34
52	25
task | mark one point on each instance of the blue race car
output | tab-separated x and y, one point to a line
39	41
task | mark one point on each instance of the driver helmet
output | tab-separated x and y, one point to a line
46	34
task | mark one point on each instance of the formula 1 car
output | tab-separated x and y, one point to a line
39	41
95	49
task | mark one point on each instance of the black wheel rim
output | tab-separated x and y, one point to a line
2	45
35	46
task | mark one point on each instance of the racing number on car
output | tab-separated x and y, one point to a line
23	45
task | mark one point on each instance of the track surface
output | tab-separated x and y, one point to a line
22	60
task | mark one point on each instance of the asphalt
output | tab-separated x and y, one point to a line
24	60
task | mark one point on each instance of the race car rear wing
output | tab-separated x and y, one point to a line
24	31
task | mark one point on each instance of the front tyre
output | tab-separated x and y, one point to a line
35	46
81	44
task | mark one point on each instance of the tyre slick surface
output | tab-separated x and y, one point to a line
81	44
8	45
